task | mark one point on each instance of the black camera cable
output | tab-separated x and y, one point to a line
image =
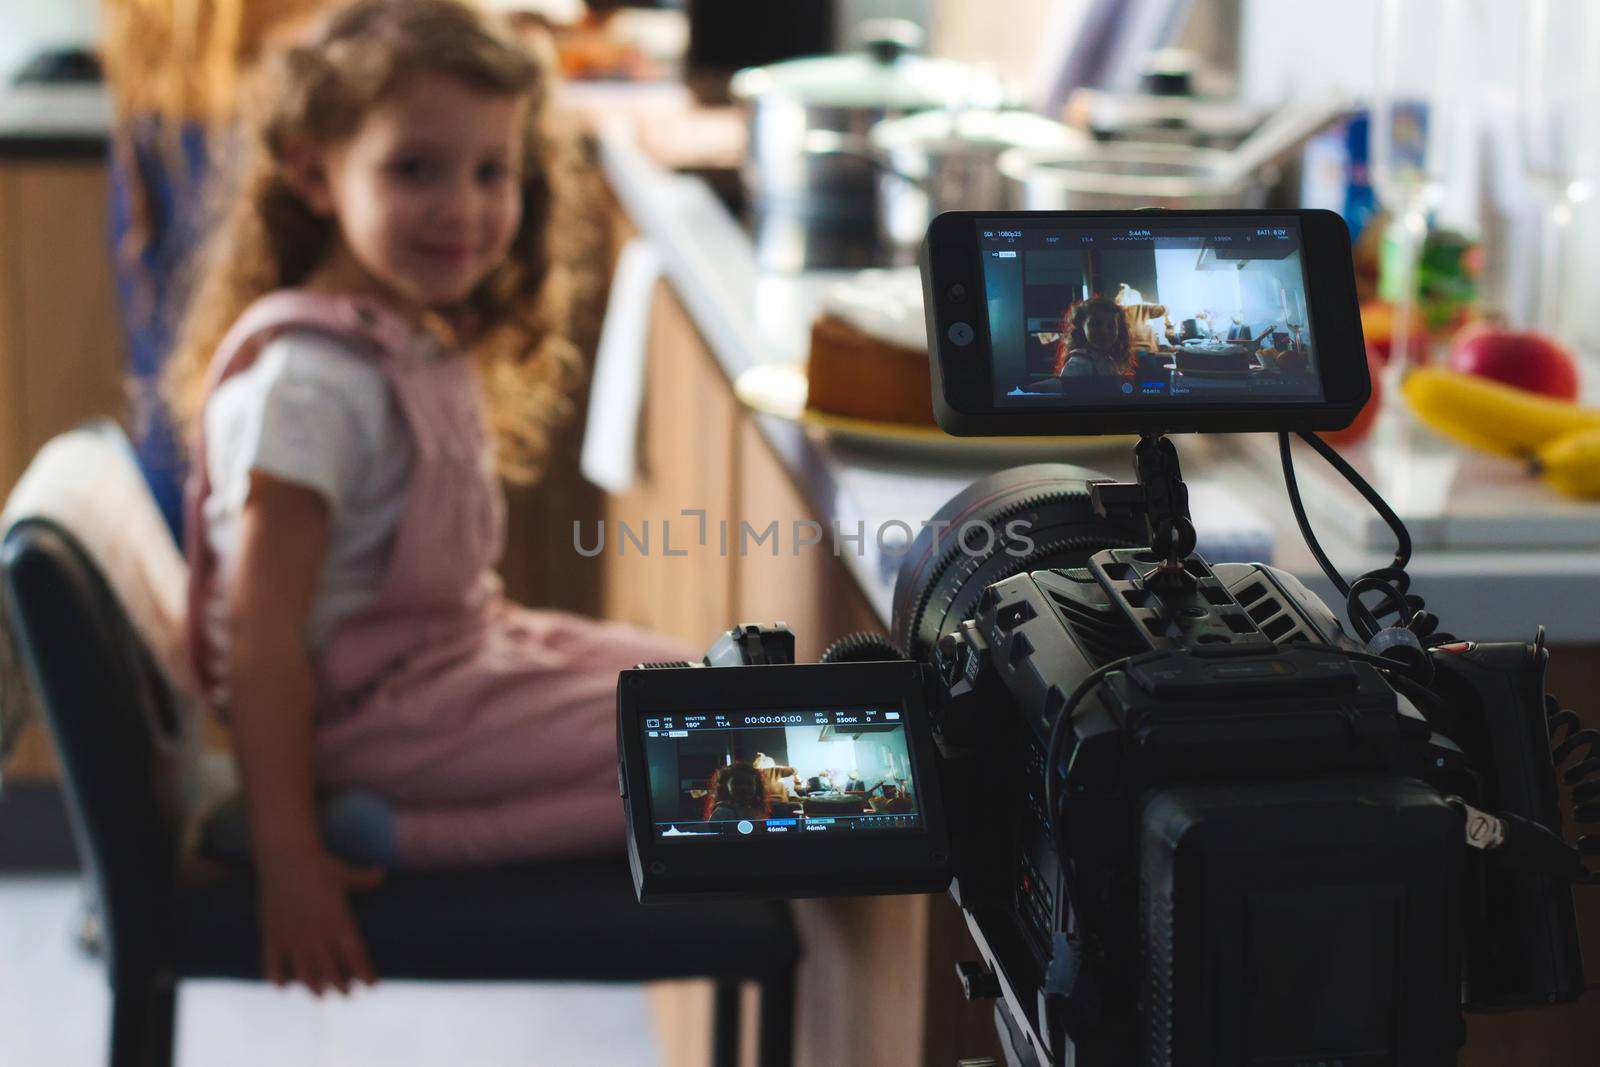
1392	583
1530	844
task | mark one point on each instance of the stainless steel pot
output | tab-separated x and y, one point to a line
946	161
1121	175
808	120
1118	177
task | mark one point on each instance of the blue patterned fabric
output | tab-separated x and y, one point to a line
158	174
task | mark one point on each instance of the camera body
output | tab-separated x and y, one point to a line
1253	858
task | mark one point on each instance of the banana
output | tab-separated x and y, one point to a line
1570	464
1491	416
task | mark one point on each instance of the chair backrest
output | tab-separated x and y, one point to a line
117	728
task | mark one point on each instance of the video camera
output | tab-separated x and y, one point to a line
1190	817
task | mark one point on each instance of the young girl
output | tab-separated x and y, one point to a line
386	257
1094	341
738	791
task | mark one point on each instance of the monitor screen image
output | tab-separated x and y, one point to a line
1148	310
733	774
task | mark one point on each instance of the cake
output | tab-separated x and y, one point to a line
869	351
1213	358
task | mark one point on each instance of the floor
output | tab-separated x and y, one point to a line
54	1002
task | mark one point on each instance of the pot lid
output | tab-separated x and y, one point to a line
1153	171
981	130
886	74
1141	116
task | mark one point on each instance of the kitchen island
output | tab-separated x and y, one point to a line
876	984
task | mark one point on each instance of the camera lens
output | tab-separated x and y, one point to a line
1018	520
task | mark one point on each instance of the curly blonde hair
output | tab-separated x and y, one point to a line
1074	333
266	237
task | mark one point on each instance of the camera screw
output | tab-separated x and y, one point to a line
658	867
977	981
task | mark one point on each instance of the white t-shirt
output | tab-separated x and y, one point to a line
314	413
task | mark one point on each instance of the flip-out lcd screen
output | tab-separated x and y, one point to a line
757	774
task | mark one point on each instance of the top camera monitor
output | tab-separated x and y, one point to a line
1049	322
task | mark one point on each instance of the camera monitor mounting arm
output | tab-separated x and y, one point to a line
1162	498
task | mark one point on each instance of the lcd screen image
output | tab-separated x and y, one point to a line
1128	313
758	774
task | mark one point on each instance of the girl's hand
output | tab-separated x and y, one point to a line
308	934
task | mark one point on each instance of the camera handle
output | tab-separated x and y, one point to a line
748	645
1162	498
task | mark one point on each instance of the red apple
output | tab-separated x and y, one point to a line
1521	359
1358	429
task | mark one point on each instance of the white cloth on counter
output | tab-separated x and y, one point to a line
1229	530
609	459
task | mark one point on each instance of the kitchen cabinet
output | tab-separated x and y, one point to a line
61	353
687	449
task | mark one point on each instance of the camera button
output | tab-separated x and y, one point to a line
956	293
960	334
746	826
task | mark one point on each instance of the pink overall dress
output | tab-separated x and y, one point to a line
489	727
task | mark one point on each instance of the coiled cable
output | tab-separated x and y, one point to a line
1569	737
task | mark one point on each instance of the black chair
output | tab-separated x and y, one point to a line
115	725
